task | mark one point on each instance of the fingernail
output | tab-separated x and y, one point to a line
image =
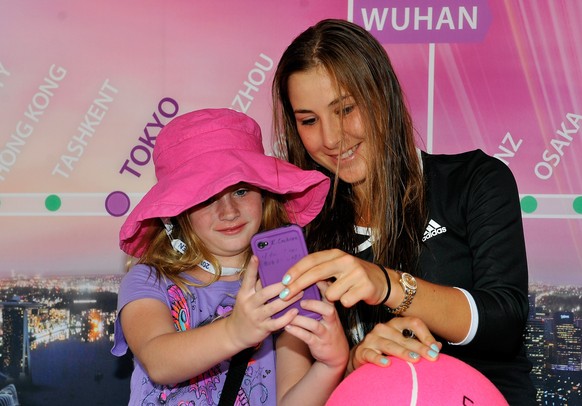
286	279
433	354
414	355
383	361
284	293
435	348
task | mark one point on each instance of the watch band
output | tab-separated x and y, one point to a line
408	284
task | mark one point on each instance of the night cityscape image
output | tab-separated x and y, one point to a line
56	334
55	338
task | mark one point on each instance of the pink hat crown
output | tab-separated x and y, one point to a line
193	135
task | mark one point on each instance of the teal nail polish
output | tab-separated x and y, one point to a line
433	354
284	293
414	355
434	347
286	279
383	361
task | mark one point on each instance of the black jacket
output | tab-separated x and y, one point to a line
479	246
474	240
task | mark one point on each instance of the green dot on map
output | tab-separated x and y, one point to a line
529	204
52	202
577	205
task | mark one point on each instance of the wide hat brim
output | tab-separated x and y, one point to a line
304	191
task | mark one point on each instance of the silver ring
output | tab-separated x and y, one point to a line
407	333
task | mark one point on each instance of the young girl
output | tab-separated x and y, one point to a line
193	301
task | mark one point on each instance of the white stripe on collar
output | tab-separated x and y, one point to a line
363	230
419	153
368	242
367	230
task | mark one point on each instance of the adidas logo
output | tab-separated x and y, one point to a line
433	229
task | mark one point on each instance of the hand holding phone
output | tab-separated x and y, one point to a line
278	250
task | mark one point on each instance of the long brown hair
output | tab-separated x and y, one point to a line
394	200
170	264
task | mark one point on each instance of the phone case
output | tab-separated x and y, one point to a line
279	249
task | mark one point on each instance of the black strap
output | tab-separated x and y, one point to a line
234	376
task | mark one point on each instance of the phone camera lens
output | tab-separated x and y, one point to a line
262	244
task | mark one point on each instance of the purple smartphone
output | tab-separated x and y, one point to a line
279	249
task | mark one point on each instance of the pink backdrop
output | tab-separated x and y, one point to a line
86	86
80	82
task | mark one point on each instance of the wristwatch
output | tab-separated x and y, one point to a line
408	284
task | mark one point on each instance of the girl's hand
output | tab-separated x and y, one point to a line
325	338
394	338
354	278
250	321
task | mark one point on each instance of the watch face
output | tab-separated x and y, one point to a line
409	281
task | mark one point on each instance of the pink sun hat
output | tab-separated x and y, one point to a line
201	153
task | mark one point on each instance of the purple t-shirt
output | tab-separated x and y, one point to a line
190	311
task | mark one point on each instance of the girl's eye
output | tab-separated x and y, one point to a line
307	121
346	109
349	109
241	192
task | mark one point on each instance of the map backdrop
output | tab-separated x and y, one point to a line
85	88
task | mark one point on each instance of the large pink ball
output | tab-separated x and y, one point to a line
447	381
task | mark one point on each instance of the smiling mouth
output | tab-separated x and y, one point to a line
232	230
350	152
